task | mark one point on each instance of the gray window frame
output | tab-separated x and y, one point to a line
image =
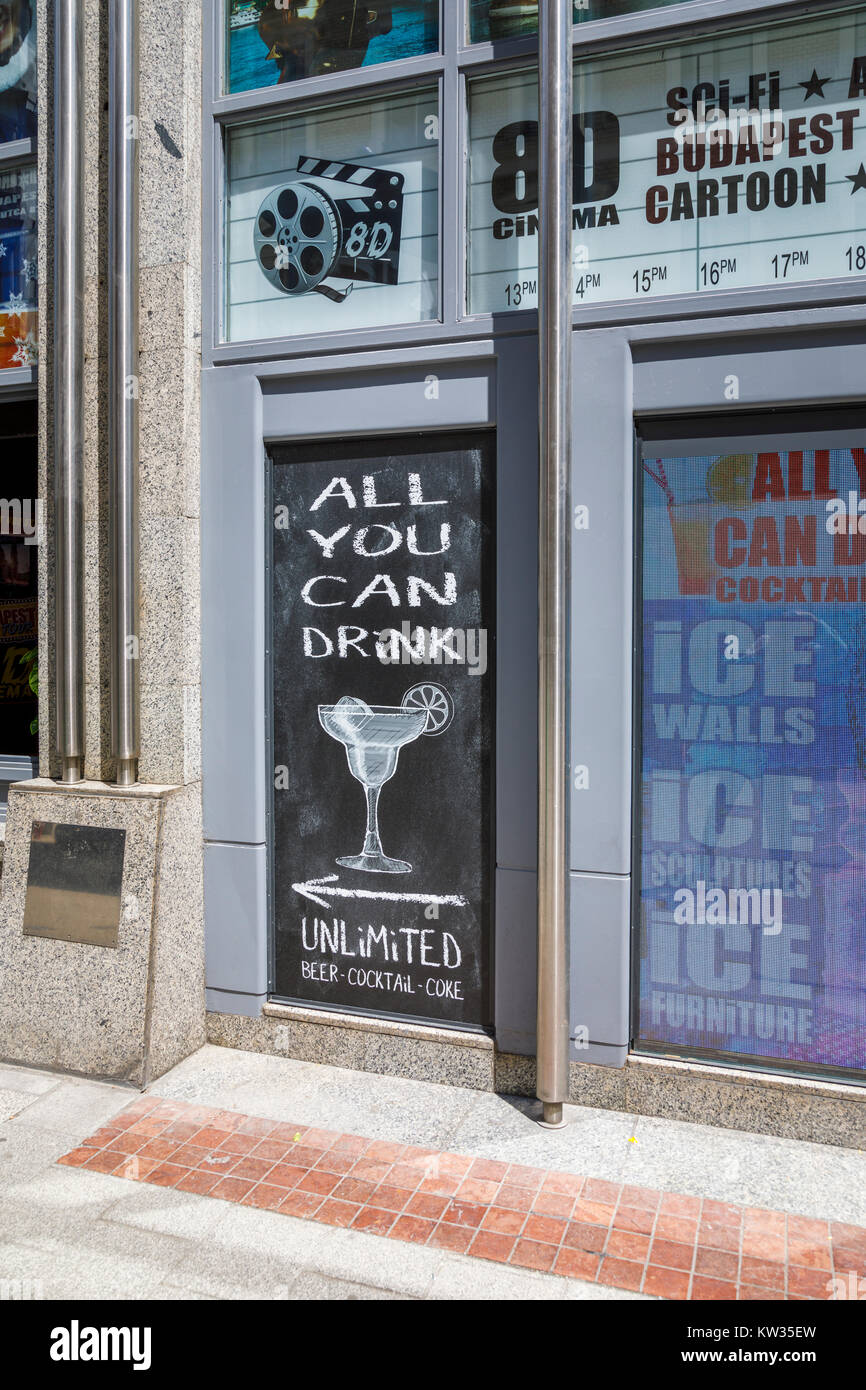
452	68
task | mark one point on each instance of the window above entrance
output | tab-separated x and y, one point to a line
332	219
511	19
720	159
275	41
730	162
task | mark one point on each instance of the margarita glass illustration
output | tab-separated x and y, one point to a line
373	736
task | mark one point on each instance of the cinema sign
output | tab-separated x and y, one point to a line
717	165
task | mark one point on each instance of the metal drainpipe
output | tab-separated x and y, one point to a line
123	385
554	343
68	384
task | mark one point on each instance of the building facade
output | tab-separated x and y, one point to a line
330	849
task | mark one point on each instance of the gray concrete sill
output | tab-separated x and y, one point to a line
141	791
387	1027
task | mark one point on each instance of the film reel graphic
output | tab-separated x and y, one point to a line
330	220
297	237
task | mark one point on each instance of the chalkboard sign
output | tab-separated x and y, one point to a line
383	665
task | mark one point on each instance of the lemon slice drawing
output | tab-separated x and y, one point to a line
435	701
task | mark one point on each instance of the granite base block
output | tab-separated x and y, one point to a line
789	1107
126	1013
362	1044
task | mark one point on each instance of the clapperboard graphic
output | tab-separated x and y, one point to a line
331	221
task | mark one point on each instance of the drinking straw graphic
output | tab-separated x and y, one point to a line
691	539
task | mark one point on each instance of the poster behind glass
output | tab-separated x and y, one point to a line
333	219
269	41
18	267
511	19
753	795
19	540
17	70
699	167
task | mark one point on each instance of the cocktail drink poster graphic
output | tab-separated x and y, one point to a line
383	653
373	737
753	805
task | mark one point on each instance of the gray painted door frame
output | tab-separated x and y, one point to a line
786	359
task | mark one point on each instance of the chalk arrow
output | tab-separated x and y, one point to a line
330	886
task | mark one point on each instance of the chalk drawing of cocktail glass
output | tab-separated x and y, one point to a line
373	736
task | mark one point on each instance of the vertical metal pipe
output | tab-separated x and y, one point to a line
554	342
123	384
68	385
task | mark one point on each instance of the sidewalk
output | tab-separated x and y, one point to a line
83	1233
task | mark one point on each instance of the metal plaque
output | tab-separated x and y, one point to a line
73	883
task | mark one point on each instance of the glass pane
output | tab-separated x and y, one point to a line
753	803
735	161
19	537
269	42
333	219
17	70
19	320
382	718
510	19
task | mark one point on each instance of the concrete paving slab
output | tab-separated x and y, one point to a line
383	1263
237	1274
461	1277
224	1069
279	1088
312	1287
165	1211
103	1241
12	1103
246	1229
593	1144
51	1205
77	1108
391	1107
292	1245
26	1149
575	1289
175	1293
791	1175
71	1270
34	1083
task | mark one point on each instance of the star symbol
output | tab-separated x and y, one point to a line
2	249
857	180
815	86
27	351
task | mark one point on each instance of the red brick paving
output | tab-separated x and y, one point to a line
629	1237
